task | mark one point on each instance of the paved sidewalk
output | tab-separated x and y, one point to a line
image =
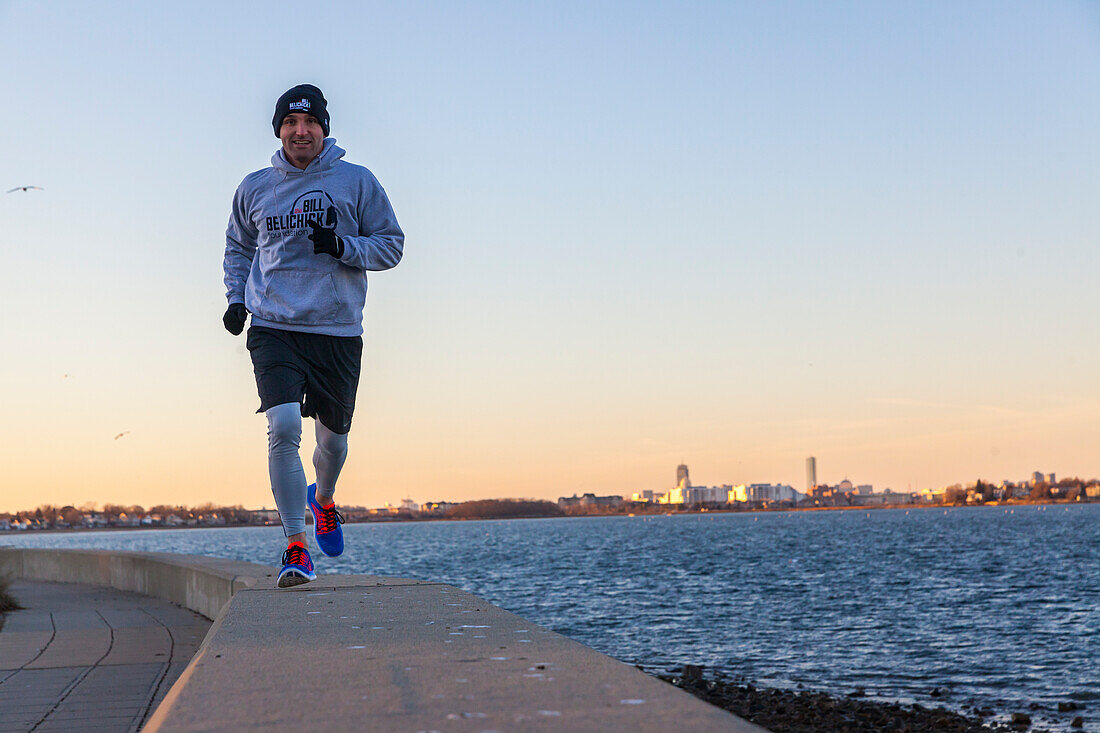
90	658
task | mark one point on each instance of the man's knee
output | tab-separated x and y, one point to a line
332	443
284	425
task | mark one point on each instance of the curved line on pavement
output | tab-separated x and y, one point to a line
68	690
164	673
53	634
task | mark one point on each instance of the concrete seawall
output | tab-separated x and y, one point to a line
361	652
203	584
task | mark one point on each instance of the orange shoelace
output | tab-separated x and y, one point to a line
297	555
329	519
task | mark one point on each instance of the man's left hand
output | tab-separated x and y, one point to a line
325	241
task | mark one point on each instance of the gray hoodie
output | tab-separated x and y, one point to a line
269	261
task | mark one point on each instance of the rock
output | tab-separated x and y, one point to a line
1065	707
936	692
858	692
692	672
1034	706
1077	722
1021	719
794	710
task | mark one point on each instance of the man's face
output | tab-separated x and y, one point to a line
303	138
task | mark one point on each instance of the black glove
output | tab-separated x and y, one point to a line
234	318
325	241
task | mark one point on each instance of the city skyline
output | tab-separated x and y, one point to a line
676	493
730	235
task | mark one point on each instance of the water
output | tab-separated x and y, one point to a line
993	606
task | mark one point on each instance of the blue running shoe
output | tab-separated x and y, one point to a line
297	567
326	524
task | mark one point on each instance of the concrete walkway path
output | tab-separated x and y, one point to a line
366	653
90	658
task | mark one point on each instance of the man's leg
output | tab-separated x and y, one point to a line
328	459
288	478
330	399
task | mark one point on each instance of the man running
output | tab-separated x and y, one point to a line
302	235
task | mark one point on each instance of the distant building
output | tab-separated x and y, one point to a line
1050	479
932	495
1037	477
590	500
811	474
705	495
825	495
758	492
676	495
844	485
864	489
437	507
266	516
604	502
680	494
125	520
771	492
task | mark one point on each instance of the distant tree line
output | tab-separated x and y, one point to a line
50	515
1067	489
504	509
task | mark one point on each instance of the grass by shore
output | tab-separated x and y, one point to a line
7	600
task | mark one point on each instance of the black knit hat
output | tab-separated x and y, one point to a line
302	98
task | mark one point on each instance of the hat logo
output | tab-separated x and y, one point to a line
304	104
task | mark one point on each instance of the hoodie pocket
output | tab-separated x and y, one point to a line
351	291
306	298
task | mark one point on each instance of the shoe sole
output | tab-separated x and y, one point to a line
289	580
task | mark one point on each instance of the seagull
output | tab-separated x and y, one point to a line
26	188
124	432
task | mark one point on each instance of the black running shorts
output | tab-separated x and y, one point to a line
318	371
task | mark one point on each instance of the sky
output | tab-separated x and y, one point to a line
733	234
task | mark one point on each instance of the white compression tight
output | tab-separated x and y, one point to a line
284	464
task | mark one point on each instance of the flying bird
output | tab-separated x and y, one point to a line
124	432
26	188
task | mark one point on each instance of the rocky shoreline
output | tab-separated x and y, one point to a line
804	711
